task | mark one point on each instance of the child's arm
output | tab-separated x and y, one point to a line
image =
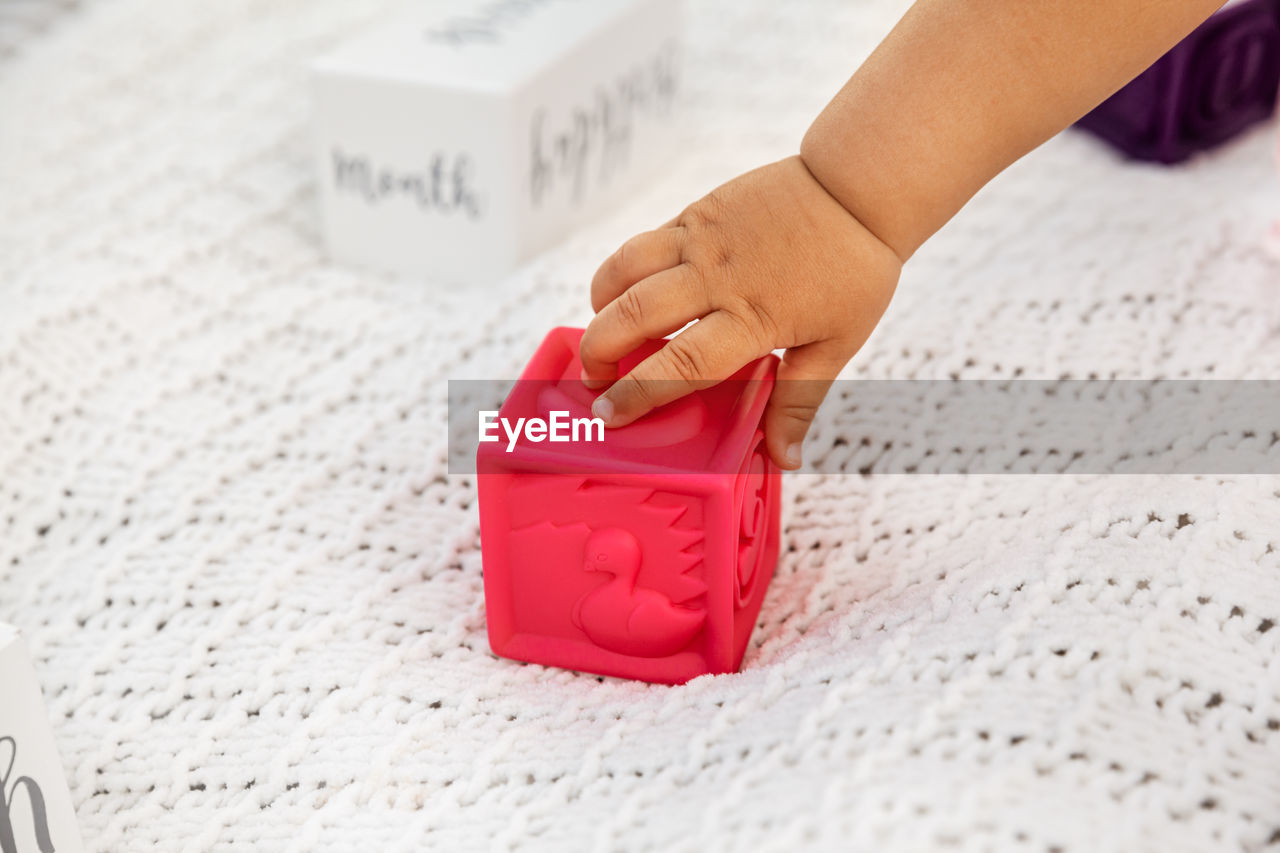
804	254
959	90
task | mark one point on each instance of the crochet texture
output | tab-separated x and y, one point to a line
253	593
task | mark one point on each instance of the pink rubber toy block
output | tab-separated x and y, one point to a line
645	555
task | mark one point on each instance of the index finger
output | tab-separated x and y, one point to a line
654	308
709	351
640	257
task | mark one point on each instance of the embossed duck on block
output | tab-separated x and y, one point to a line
643	555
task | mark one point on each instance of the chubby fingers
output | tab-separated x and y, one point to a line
654	308
640	257
804	377
707	352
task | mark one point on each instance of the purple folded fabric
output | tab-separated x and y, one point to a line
1213	84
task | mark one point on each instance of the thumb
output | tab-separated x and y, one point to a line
803	379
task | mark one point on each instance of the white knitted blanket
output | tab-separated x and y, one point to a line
254	594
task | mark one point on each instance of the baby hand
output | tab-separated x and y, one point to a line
767	261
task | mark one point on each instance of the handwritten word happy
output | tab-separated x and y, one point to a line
601	130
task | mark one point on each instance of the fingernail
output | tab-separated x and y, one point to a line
602	408
793	455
